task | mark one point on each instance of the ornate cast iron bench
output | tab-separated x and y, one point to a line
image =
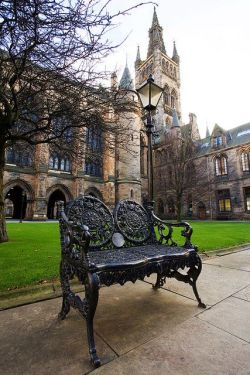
103	249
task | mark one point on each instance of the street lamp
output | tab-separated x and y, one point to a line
150	94
21	208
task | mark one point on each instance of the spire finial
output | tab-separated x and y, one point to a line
175	56
155	18
138	57
155	36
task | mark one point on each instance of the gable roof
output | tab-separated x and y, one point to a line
237	136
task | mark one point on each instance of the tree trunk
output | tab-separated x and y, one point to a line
178	208
3	231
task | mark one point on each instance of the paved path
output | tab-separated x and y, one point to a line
140	331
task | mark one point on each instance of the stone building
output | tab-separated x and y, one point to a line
36	178
222	160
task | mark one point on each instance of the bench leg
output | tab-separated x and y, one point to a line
160	281
91	295
193	274
66	274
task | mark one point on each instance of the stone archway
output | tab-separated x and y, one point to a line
19	198
94	192
54	194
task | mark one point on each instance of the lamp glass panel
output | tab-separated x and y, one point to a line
155	94
144	95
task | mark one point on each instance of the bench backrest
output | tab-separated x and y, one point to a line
129	226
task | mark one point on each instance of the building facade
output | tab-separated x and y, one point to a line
36	178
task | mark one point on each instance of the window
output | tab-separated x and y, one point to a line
224	200
59	163
245	160
247	198
94	139
166	96
173	99
221	166
218	141
93	162
93	168
20	155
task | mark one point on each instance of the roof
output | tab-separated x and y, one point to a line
237	136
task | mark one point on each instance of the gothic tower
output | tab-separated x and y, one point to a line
166	73
127	160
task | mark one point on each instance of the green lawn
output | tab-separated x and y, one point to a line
32	255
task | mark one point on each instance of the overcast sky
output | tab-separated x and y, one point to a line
213	41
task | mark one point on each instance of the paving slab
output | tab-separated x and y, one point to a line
193	348
240	260
214	283
131	315
244	294
231	315
33	341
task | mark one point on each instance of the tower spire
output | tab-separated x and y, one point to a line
126	81
175	56
155	36
138	57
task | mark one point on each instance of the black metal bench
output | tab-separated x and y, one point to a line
104	249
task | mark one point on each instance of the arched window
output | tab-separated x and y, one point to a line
173	99
67	165
132	194
11	156
166	95
62	164
245	160
93	167
221	166
20	155
57	162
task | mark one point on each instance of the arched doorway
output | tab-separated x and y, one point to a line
201	211
56	196
15	203
94	192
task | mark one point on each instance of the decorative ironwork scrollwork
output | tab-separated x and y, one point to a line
133	221
92	212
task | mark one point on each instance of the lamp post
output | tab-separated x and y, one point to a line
150	94
21	208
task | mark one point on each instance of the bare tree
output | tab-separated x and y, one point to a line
179	169
49	74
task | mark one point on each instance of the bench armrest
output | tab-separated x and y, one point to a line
74	236
161	226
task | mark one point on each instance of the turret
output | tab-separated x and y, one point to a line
127	161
